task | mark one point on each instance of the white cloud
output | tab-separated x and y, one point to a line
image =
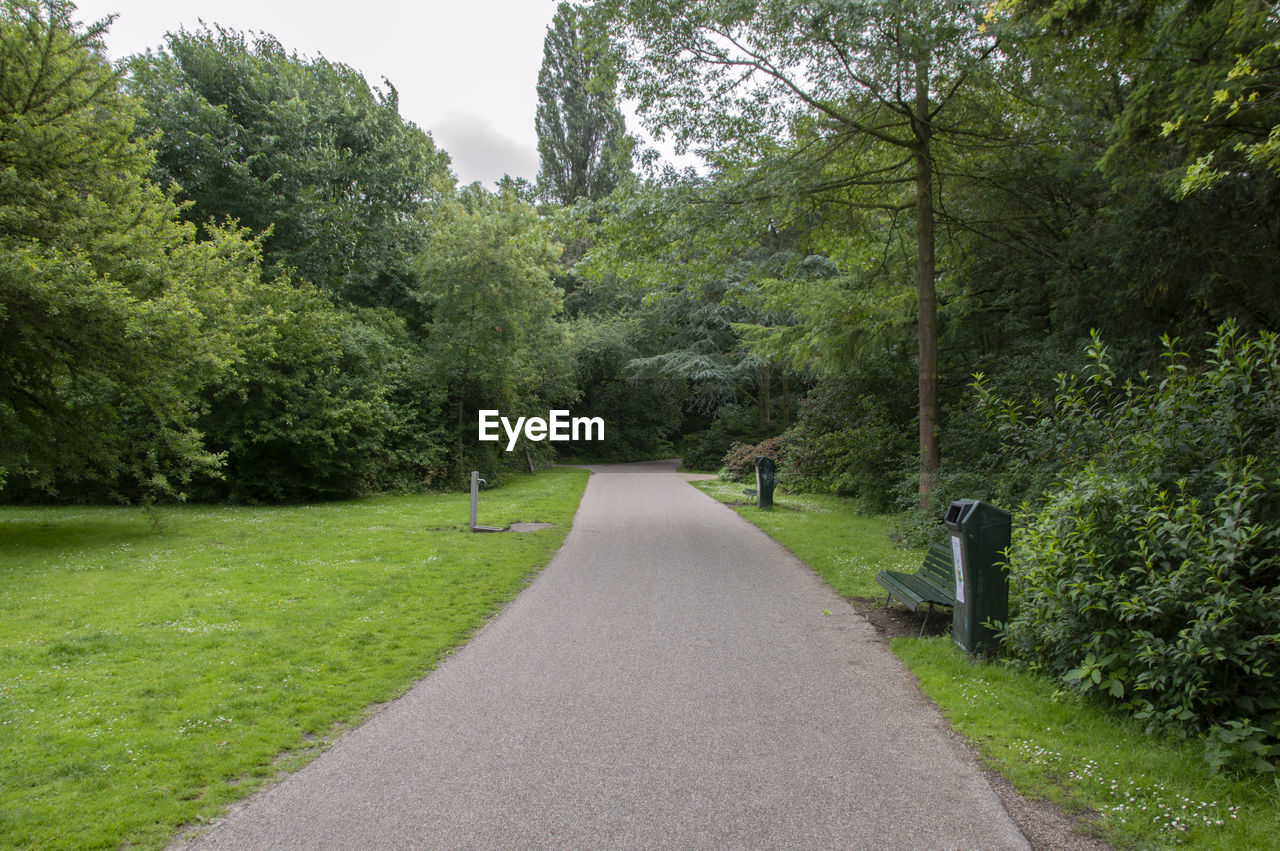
466	72
481	151
449	61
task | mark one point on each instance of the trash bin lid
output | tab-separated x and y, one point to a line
956	513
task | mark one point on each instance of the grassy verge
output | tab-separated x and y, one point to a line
1138	790
150	676
1143	791
844	548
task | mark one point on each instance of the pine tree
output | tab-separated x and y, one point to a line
582	137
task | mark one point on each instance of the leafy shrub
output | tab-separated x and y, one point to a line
302	413
851	435
858	459
740	462
1151	573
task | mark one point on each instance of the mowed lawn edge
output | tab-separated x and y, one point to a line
1135	789
151	675
845	548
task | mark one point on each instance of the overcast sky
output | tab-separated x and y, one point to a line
466	70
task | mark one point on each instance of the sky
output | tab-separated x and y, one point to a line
466	70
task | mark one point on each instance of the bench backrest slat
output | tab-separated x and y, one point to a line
938	565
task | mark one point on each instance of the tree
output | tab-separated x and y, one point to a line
104	338
1200	81
485	307
303	148
582	137
880	84
305	409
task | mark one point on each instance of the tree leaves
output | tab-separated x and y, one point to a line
304	150
582	139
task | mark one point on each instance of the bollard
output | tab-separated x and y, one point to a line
475	495
476	481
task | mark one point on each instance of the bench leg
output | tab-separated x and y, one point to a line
926	621
888	598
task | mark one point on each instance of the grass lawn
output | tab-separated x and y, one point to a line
150	676
1146	791
1141	791
844	548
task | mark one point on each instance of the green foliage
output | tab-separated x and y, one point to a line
817	320
854	431
304	412
1200	81
1149	573
702	350
582	140
103	346
737	74
301	148
485	307
647	239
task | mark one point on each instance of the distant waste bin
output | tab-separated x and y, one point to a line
979	535
765	469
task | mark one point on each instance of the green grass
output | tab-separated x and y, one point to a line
1135	789
844	548
150	676
1146	791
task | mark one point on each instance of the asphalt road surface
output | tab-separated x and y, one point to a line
673	679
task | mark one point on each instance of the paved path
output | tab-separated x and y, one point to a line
670	680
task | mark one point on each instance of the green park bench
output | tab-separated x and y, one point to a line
934	583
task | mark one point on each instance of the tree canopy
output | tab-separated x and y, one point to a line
104	339
582	140
303	150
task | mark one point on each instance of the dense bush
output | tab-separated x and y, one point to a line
1151	573
858	459
732	424
853	432
303	412
740	462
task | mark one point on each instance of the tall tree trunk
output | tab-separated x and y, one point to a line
462	470
925	289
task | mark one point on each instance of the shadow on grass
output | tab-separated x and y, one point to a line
36	536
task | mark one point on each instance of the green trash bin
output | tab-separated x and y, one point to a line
979	535
766	469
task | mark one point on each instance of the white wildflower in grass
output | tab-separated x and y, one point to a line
1134	800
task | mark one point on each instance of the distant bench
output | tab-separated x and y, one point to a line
934	583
